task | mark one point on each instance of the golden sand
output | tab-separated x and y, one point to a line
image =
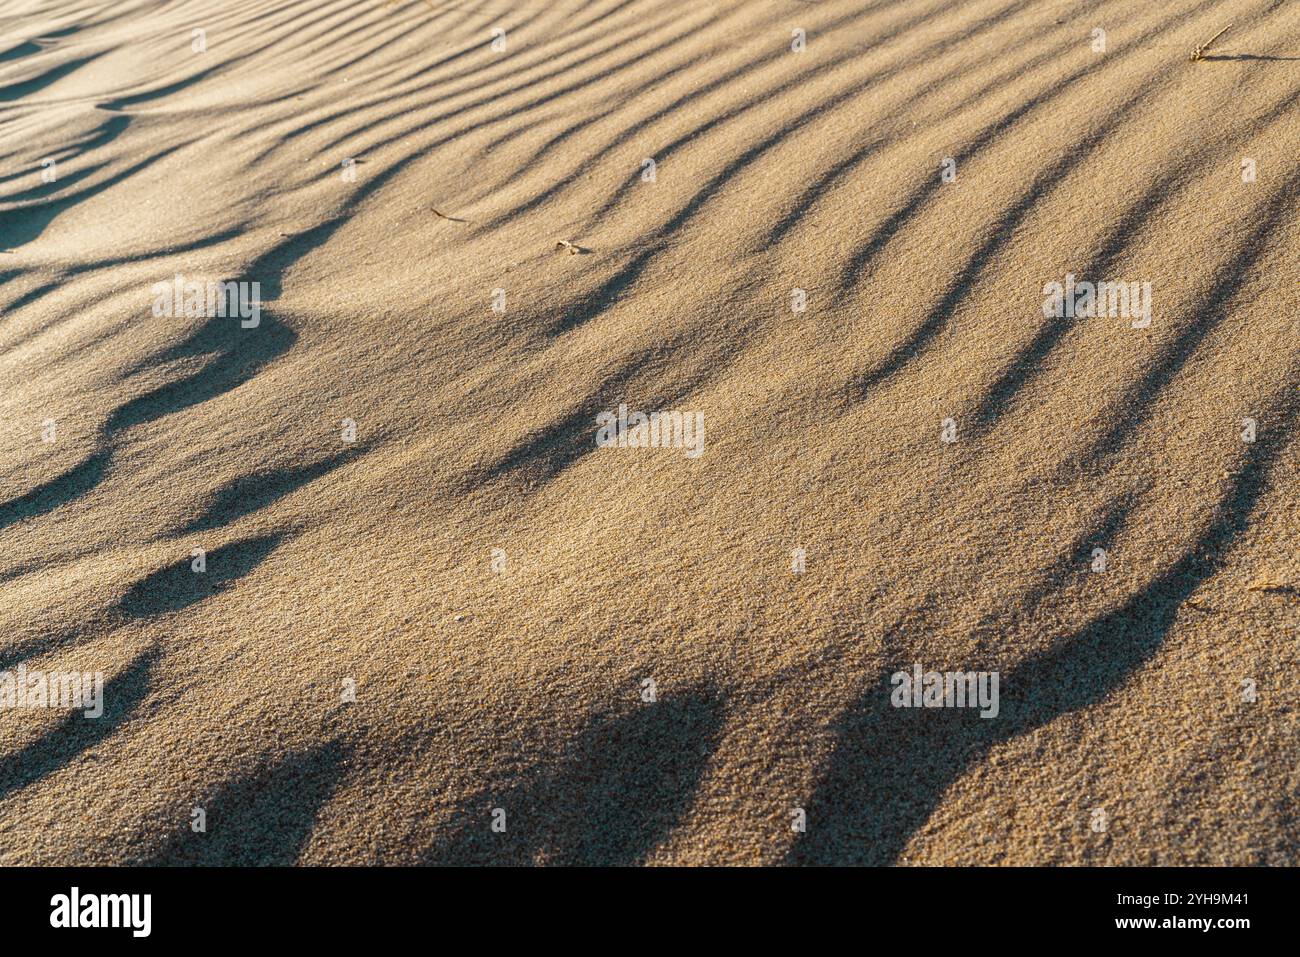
837	258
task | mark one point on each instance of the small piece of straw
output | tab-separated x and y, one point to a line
1199	52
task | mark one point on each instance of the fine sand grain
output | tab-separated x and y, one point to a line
837	256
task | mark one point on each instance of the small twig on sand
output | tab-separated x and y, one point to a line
443	215
1199	52
1271	586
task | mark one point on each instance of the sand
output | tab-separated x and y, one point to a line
431	603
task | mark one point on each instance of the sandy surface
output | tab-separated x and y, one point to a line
517	679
